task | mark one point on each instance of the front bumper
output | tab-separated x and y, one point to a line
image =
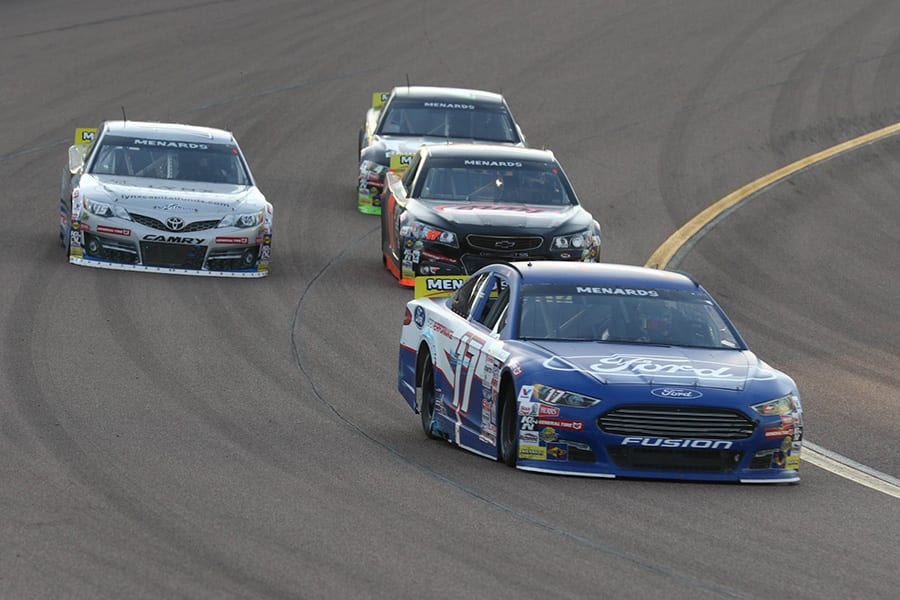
126	245
574	444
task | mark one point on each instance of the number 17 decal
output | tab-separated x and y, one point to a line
469	351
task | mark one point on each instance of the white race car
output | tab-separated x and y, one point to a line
408	117
165	198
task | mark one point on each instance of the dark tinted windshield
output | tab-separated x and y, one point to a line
449	120
624	315
165	159
514	182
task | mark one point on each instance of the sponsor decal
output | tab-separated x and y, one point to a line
168	144
141	198
401	162
616	291
641	365
450	105
172	239
562	424
85	135
435	256
174	207
532	452
442	329
420	317
777	460
792	462
113	230
548	434
527	408
529	438
557	451
526	393
512	164
233	240
652	442
475	206
779	432
677	393
528	422
265	252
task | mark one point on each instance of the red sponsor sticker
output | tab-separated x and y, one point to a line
779	432
548	411
562	424
233	240
113	230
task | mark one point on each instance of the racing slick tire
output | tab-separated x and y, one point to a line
426	407
508	442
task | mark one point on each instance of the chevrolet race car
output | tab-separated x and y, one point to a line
462	206
164	198
598	370
399	122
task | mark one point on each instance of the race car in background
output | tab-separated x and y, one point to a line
598	370
410	116
461	206
163	197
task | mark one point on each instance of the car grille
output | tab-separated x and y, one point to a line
182	256
673	460
188	227
501	243
677	421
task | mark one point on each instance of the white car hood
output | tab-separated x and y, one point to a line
138	193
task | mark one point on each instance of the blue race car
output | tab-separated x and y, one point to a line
597	370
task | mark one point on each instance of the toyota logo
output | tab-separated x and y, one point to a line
504	244
175	223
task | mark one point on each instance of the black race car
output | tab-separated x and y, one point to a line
460	207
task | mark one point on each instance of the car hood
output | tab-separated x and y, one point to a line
170	196
489	215
618	364
411	144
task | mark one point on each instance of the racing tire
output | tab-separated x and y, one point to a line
426	409
508	439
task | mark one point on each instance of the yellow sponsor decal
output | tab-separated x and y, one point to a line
533	452
400	162
436	286
792	462
379	98
85	135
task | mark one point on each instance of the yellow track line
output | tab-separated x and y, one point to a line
664	254
660	259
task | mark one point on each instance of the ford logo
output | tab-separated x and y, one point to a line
420	317
676	393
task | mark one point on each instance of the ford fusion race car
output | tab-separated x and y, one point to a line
165	198
399	122
598	370
461	206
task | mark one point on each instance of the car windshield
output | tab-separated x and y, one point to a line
624	315
503	181
449	120
166	159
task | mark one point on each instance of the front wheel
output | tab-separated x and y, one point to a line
426	406
508	445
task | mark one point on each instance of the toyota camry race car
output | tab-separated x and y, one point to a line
165	198
598	370
461	206
410	116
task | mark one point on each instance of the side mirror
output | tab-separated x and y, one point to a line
395	182
76	158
